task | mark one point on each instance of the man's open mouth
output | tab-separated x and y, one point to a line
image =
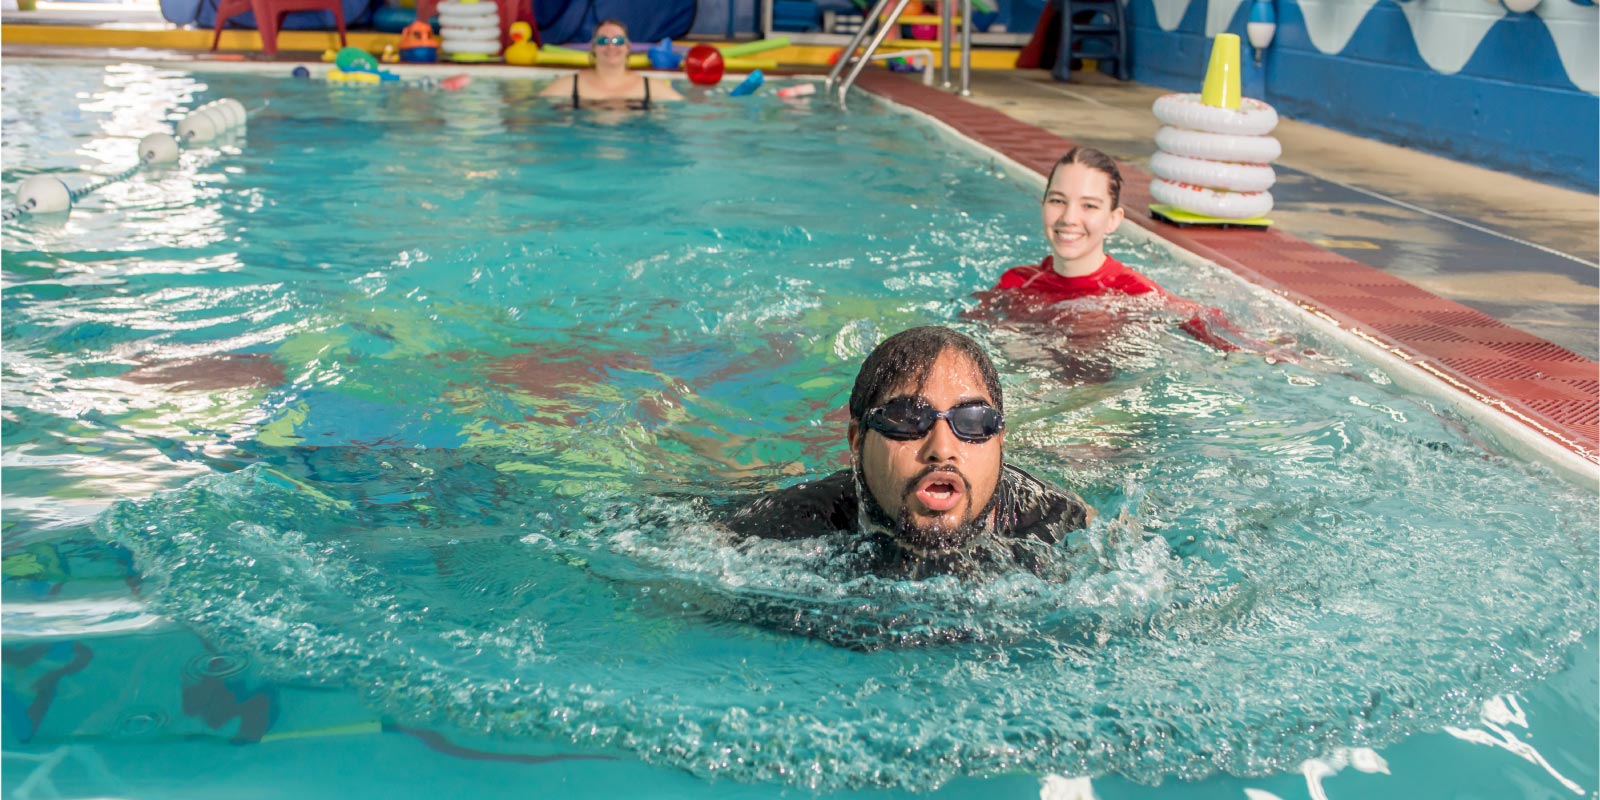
940	491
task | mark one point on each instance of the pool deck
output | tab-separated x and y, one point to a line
1487	281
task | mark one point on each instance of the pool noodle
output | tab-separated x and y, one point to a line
751	48
350	729
551	55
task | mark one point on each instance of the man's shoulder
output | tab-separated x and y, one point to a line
1038	509
810	508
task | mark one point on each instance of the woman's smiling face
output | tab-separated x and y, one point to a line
607	52
1078	214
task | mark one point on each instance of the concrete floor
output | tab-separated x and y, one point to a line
1520	251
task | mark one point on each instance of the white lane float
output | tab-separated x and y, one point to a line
48	194
1214	156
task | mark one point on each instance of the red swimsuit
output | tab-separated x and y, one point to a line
1113	277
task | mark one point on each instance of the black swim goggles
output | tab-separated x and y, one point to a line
906	419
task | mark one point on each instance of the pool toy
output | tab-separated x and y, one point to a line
1208	204
354	59
556	56
354	65
300	72
749	85
1214	151
799	90
703	64
389	56
522	51
662	56
417	44
1246	117
470	29
1218	146
1232	176
751	48
393	19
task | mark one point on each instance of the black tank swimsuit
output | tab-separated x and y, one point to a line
633	105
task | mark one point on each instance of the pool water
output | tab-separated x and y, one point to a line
380	450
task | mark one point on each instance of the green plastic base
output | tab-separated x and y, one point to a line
1177	216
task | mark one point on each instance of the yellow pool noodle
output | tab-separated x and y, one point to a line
552	56
748	64
350	729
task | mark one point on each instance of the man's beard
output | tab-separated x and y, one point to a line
934	539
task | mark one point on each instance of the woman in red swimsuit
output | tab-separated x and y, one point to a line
1082	205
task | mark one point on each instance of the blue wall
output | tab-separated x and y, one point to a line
1511	106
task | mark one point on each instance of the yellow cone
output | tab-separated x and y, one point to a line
1221	89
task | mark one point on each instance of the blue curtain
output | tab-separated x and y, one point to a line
565	21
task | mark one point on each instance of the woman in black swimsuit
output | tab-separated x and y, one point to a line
610	78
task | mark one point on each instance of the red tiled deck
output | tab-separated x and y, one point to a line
1542	385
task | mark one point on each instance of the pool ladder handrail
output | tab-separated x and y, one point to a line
886	23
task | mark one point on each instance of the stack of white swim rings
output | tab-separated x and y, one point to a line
48	194
1215	161
469	30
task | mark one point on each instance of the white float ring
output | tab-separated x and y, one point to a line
1213	174
469	22
482	47
1211	202
1251	118
468	10
471	31
1218	146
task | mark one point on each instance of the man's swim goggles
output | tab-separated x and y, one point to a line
907	419
602	40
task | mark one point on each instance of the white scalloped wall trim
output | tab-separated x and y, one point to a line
1447	32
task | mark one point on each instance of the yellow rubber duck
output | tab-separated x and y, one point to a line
522	51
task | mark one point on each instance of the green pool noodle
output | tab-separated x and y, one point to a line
748	48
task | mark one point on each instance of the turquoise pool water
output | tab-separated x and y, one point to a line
376	451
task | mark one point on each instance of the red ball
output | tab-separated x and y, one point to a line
703	64
833	58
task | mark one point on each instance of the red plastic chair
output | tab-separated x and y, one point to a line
269	14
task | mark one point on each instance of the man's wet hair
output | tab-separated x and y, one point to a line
907	357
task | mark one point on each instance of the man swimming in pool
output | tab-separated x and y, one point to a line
927	425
